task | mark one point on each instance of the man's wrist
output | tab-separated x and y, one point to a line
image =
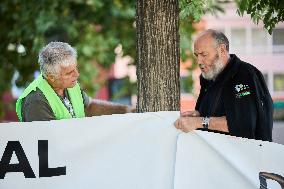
205	122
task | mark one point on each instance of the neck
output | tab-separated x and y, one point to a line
60	92
227	59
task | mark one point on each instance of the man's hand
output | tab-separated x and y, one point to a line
188	124
193	113
98	107
130	109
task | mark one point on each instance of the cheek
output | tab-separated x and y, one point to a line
58	80
69	81
210	62
64	80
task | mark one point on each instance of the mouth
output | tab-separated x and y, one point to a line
202	68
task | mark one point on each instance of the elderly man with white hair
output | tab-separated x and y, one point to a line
55	94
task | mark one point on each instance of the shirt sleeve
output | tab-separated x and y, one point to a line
36	108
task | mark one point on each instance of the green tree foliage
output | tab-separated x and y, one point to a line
197	8
94	27
270	12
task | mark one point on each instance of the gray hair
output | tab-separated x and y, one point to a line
219	38
53	55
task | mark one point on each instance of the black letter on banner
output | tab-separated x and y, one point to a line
23	165
44	171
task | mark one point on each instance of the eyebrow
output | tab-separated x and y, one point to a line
197	53
70	72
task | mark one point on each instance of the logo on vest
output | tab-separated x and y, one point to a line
242	90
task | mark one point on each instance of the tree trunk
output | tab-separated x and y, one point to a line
157	47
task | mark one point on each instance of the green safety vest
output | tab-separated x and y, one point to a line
59	109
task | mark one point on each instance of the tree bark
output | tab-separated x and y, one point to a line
158	55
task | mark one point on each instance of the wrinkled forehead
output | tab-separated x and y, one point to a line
203	43
68	68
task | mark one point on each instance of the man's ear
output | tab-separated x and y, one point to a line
50	78
223	48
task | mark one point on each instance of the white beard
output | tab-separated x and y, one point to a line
217	68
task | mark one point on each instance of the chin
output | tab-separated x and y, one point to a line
72	85
208	76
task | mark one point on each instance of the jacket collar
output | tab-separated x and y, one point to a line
229	71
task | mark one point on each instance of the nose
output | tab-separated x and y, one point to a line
199	60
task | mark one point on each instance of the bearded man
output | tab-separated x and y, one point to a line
233	98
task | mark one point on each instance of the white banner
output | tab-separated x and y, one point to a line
207	160
118	151
130	151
